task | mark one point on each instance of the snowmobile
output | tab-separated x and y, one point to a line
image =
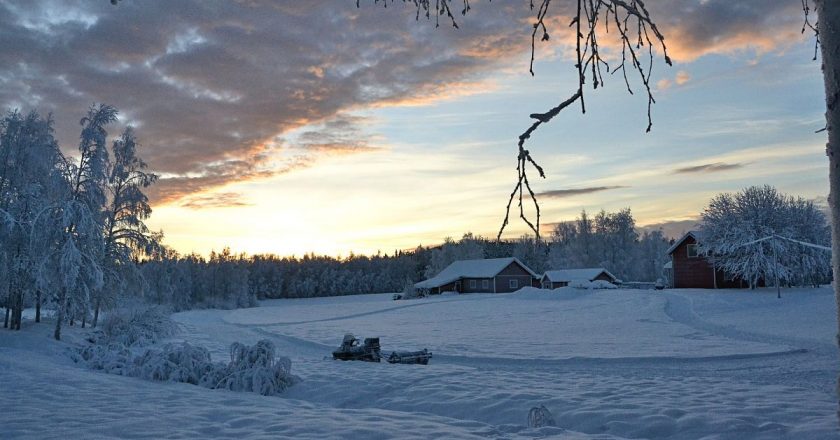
370	351
350	350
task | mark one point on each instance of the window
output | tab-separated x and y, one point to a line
485	284
473	284
692	251
514	284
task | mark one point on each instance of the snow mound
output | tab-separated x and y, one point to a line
597	284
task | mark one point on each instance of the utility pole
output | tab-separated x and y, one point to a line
776	268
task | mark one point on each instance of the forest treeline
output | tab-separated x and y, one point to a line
609	240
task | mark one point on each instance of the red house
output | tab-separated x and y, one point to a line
690	269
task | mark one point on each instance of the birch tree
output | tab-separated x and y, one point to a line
125	233
71	245
29	176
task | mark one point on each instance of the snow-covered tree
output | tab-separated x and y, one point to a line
469	247
30	178
745	234
125	233
71	246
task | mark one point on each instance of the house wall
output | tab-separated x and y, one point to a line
691	272
465	284
513	272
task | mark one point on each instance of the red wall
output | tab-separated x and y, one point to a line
691	272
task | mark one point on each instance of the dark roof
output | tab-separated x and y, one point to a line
692	234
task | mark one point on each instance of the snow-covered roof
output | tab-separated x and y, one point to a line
567	275
485	268
692	234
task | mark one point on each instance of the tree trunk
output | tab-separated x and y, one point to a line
38	306
828	25
84	319
96	314
60	315
17	311
6	321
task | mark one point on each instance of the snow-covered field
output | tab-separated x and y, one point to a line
607	364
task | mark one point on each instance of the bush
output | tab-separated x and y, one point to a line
135	327
251	368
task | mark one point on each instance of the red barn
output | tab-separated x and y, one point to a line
692	270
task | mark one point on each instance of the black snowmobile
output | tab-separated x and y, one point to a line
350	350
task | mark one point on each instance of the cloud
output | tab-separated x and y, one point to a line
217	200
563	193
215	89
682	77
218	90
709	168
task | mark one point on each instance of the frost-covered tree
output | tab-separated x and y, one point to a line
125	233
469	247
531	251
30	178
608	240
71	246
746	235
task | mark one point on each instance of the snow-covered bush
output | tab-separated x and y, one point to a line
597	284
540	416
409	291
175	363
254	368
257	369
135	328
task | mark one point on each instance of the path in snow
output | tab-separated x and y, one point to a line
650	365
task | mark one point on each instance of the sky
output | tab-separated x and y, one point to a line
317	126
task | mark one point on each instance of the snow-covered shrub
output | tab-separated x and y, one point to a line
540	416
257	369
597	284
409	291
136	328
254	368
111	358
175	362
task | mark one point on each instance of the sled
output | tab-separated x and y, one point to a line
410	357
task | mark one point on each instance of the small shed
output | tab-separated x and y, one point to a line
553	279
491	275
691	269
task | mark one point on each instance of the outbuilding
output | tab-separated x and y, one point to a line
553	279
691	269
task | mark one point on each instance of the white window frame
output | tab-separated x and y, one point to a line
688	249
473	284
485	284
513	283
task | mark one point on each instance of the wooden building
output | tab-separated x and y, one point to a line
553	279
493	275
690	269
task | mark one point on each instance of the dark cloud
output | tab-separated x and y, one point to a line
212	85
709	168
215	87
562	193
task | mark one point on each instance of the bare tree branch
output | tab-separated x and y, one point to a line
635	29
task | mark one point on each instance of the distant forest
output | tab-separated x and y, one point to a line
608	240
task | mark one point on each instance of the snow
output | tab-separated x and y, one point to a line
605	363
566	275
